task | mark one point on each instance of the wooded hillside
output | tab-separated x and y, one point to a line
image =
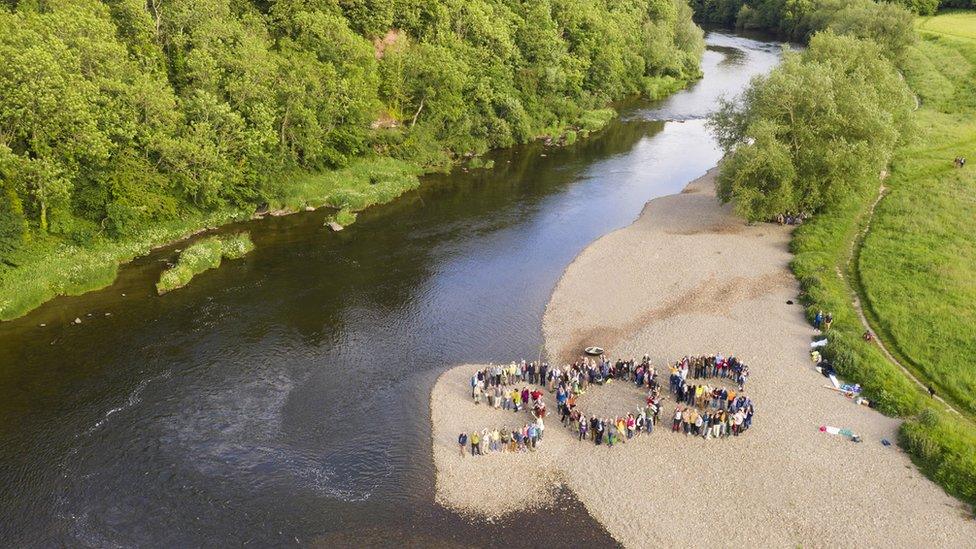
118	114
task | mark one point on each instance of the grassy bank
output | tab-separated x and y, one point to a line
51	267
916	269
918	263
354	188
201	256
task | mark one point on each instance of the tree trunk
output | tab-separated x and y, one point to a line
416	114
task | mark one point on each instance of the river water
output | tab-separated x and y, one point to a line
283	398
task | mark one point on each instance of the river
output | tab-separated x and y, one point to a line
282	399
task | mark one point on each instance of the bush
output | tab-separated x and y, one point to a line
203	255
236	246
345	217
595	119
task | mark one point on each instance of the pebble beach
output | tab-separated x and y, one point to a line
689	278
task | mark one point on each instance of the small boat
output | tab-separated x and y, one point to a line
593	351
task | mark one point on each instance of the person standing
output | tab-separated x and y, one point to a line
475	443
737	420
462	442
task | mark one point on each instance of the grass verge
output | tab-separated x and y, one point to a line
201	256
914	269
49	268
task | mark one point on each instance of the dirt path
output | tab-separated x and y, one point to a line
852	258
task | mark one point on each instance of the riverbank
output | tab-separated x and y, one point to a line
52	267
690	278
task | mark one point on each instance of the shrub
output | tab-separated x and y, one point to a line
345	217
203	255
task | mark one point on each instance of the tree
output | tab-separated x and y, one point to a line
117	114
817	129
13	226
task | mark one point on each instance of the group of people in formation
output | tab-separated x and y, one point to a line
702	410
706	411
497	387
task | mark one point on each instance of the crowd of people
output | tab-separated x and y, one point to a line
486	441
702	409
705	410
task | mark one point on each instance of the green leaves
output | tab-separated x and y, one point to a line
815	131
119	115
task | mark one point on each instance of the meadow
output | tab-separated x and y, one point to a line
959	23
915	270
917	267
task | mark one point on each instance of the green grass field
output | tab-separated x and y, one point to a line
916	268
918	263
960	24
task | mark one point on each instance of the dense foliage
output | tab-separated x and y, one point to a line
796	19
816	130
118	114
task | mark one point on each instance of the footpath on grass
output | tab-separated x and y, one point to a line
898	263
854	288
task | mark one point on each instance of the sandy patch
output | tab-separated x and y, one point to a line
666	287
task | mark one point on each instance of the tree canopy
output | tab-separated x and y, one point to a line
115	114
817	129
797	19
